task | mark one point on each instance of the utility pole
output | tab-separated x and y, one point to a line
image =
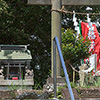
56	31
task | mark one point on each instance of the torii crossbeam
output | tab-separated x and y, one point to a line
65	2
56	20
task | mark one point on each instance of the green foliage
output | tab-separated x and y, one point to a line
59	95
13	94
37	86
73	85
16	87
3	7
13	87
97	82
25	24
91	81
74	49
2	98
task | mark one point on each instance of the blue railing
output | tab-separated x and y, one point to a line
56	43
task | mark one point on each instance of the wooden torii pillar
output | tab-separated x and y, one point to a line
56	20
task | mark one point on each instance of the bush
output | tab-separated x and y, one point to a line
74	49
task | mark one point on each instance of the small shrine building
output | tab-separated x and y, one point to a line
15	66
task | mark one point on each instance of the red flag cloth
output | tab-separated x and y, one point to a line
85	29
95	43
86	60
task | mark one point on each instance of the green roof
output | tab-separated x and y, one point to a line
15	55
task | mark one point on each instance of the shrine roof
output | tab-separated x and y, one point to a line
14	52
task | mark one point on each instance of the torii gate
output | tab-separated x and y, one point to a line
56	20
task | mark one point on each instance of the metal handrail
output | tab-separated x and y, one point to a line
56	43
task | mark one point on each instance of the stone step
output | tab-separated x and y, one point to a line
66	95
89	99
82	94
79	99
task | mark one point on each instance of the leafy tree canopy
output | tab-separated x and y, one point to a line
3	7
23	24
74	49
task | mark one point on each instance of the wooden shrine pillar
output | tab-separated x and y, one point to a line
56	31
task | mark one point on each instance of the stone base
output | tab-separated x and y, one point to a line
17	82
49	86
60	80
12	84
1	78
15	87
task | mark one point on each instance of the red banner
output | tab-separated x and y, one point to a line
95	40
